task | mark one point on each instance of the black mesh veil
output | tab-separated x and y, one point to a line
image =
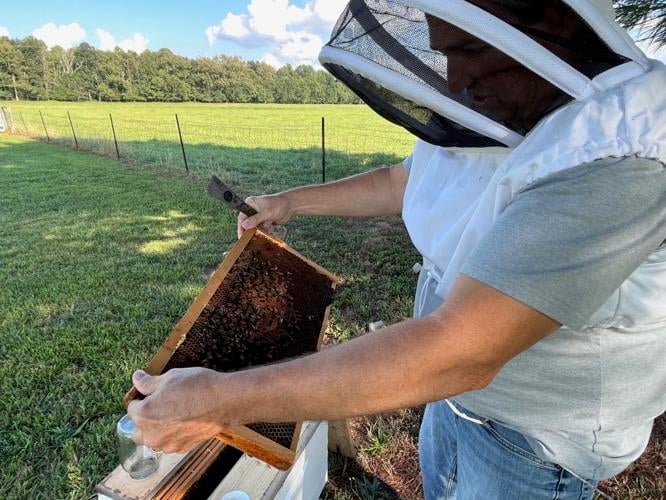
449	86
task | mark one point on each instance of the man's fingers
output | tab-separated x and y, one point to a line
239	225
145	384
253	221
132	412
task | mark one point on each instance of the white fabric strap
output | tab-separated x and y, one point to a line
465	416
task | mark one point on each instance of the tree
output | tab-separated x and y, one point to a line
29	70
11	61
648	17
86	61
34	69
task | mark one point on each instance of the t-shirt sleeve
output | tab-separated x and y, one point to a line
407	163
568	241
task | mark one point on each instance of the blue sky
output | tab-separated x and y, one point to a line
277	31
274	31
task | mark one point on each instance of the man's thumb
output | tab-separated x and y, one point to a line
145	384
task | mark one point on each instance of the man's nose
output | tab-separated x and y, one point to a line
458	74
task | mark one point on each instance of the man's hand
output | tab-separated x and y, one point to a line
179	411
273	210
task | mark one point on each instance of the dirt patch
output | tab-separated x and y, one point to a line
387	464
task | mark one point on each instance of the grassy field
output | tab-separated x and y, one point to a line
220	137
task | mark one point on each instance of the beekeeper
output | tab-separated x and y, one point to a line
536	194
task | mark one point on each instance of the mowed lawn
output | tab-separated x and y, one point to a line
223	136
98	260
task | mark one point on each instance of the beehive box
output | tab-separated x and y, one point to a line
214	469
264	304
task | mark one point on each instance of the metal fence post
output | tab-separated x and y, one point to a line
323	150
24	125
182	146
113	129
48	139
76	141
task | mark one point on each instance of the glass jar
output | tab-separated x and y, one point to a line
137	460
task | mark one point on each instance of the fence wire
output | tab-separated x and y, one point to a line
271	156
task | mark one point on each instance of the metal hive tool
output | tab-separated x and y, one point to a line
265	303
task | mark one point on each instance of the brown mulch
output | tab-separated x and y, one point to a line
392	472
645	479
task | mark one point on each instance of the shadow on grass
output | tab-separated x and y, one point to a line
329	241
260	168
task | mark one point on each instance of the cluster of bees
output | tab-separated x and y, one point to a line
252	319
269	307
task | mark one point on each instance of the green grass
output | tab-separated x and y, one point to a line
98	260
263	139
378	439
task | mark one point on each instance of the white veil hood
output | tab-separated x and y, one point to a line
383	51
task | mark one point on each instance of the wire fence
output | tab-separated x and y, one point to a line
272	156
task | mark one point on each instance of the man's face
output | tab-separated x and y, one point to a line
498	86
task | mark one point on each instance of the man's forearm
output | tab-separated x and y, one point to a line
406	364
461	346
378	192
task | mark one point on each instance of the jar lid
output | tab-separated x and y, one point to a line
236	495
126	427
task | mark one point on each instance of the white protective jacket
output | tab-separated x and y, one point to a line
453	198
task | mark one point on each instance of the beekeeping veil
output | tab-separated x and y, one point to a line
480	72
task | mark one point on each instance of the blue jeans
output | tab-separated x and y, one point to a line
463	460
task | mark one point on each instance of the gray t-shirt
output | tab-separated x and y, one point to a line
567	242
563	246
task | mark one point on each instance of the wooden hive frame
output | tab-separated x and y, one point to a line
243	438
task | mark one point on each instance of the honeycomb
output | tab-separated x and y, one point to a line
280	433
270	307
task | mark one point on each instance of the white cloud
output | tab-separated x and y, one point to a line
64	35
138	43
272	60
329	10
4	31
106	40
291	34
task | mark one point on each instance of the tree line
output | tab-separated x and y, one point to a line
31	71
